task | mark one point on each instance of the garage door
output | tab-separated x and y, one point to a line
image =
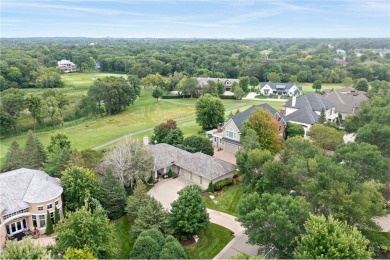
184	174
231	148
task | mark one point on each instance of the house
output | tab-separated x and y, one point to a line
306	110
67	66
346	100
227	137
198	168
25	197
226	82
282	89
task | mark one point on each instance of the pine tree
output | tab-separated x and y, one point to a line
57	161
113	197
322	118
56	215
34	152
14	158
49	224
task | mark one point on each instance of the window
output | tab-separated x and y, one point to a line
49	206
34	220
52	217
56	203
42	221
231	134
40	208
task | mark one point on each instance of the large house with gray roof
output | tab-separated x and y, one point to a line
306	110
280	89
198	168
228	136
25	197
228	83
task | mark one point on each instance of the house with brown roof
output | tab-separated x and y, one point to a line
25	197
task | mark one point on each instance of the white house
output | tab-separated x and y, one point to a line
203	82
306	110
67	66
283	89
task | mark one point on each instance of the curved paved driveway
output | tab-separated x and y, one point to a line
165	191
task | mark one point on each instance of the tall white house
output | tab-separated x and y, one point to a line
67	66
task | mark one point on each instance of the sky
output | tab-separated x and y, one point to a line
196	19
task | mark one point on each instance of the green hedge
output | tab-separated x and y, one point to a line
176	97
226	97
223	183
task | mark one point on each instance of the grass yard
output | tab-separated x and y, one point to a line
307	87
124	242
227	201
212	239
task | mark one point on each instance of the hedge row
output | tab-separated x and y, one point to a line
222	183
227	97
176	97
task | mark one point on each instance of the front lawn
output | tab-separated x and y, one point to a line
124	242
227	201
212	239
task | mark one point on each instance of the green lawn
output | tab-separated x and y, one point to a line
124	242
307	87
212	239
227	201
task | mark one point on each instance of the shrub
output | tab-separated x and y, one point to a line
176	97
226	97
151	179
211	187
170	173
223	183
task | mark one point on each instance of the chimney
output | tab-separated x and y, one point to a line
146	140
283	111
219	128
294	101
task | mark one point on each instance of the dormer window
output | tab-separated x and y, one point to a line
231	134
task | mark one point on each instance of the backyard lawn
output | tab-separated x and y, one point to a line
124	242
212	239
307	87
227	201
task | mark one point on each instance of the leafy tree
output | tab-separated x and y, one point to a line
302	76
325	137
375	134
172	249
49	224
293	129
113	195
211	88
221	88
365	159
189	86
12	103
61	140
253	81
139	199
273	77
7	122
273	221
49	78
361	84
154	80
174	137
266	128
153	215
55	102
244	83
34	152
79	185
317	85
328	238
189	214
84	228
14	158
35	105
148	245
157	93
134	83
209	111
56	161
347	82
75	253
130	160
91	158
161	131
24	249
238	93
199	144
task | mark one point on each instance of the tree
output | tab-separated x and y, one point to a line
199	144
172	249
374	134
328	238
266	128
153	215
253	81
365	159
56	215
139	199
273	221
317	85
322	117
244	83
7	122
189	214
209	111
34	105
49	224
273	77
61	140
211	88
161	131
75	253
157	93
189	86
221	88
129	161
113	195
325	137
134	83
53	111
56	102
154	80
34	152
24	249
302	76
238	93
347	82
79	186
49	78
146	247
174	137
293	129
14	158
12	103
56	161
361	84
84	228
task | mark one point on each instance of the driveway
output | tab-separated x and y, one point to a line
225	156
166	191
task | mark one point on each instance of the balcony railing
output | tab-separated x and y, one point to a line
15	213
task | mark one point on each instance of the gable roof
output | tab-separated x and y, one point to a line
20	187
313	100
204	81
345	102
240	118
199	163
304	115
280	86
